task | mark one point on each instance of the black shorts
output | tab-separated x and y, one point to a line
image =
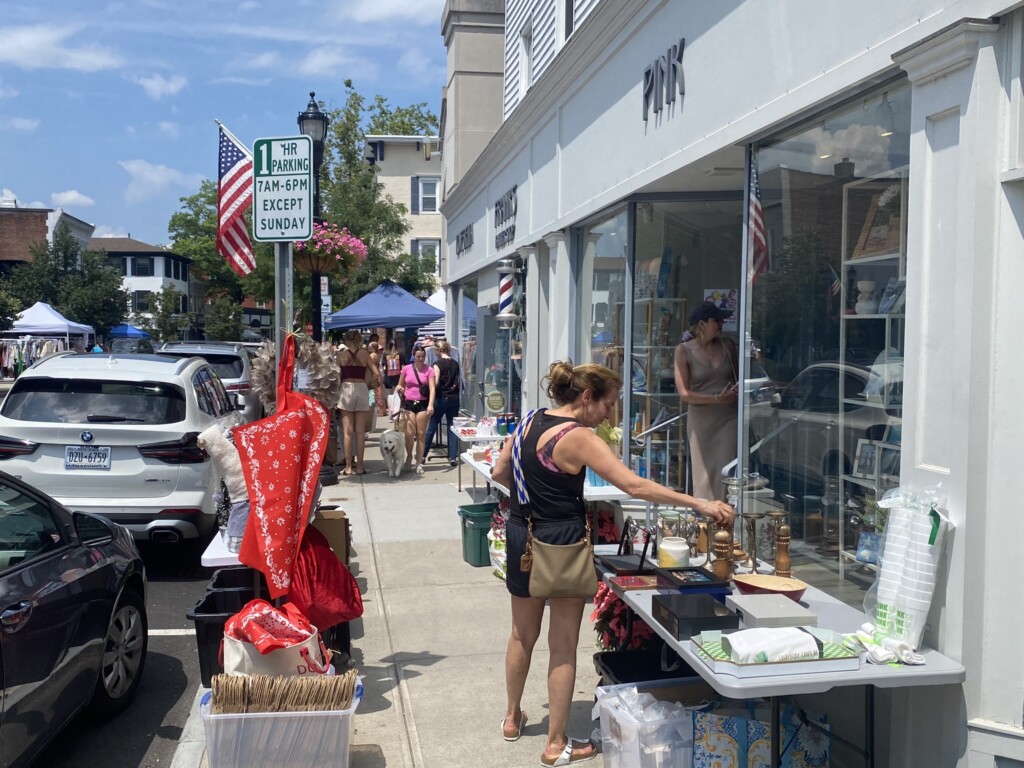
390	382
415	406
560	532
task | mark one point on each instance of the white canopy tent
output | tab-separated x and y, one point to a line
437	328
43	320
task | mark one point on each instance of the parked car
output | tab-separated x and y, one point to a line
132	346
73	628
116	435
231	360
801	444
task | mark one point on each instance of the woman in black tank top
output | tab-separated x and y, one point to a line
554	456
446	401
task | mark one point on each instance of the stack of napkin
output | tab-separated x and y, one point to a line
766	644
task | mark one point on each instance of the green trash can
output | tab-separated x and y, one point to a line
476	522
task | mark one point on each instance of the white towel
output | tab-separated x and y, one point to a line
768	644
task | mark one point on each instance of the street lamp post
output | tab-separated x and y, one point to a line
313	123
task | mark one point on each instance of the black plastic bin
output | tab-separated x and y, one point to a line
621	667
210	615
237	578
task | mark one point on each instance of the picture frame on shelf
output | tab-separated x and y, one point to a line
865	462
888	457
893	432
892	302
881	232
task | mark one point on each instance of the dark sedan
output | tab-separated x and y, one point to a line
73	630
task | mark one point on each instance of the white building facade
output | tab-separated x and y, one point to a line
886	143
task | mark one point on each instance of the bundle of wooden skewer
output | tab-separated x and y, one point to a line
241	694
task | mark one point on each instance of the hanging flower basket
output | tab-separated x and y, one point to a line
331	249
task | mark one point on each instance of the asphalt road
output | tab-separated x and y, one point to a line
146	734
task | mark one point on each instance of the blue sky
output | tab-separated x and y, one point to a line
107	108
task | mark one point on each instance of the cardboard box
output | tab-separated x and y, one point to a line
334	525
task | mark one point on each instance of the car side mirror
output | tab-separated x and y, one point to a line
92	530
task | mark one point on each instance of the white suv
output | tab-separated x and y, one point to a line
116	435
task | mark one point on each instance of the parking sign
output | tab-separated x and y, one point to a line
282	206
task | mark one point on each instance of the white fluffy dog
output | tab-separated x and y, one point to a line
392	450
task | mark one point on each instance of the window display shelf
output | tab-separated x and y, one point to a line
871	342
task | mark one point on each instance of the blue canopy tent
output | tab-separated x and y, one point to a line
125	331
386	306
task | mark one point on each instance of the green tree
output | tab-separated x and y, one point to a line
223	320
193	231
9	307
166	310
82	287
351	196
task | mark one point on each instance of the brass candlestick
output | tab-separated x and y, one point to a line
723	552
752	518
781	528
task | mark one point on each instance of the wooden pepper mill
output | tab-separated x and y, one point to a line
722	548
782	539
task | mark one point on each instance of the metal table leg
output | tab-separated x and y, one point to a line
776	745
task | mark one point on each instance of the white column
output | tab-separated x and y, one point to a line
561	292
962	421
531	357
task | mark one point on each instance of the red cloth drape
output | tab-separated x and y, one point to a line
323	588
281	457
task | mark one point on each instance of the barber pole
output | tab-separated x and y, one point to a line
507	270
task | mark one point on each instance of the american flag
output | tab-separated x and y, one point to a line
834	289
234	196
759	259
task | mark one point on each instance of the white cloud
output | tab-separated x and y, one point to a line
167	128
249	5
267	60
47	47
103	230
421	12
330	61
6	91
150	180
26	124
71	197
158	86
256	82
420	67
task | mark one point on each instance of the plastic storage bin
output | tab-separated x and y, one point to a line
627	742
236	578
210	615
618	667
279	739
476	522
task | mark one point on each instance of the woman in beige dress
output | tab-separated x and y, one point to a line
705	367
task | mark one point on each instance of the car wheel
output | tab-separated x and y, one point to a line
124	656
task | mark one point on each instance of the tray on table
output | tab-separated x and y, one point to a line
835	658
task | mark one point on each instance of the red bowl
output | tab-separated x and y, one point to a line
765	584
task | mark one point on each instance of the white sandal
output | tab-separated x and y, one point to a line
566	757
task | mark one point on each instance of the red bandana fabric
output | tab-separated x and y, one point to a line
281	457
267	627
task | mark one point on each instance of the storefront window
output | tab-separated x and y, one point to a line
467	320
686	252
826	323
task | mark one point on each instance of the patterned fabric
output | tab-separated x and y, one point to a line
281	457
269	628
732	738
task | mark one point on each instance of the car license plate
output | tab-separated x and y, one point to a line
87	457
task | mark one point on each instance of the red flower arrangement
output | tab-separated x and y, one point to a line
609	617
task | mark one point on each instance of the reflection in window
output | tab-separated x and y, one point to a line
826	319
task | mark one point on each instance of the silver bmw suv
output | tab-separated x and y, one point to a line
116	435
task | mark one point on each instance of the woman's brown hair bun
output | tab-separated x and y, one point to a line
566	382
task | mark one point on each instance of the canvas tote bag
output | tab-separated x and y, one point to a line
263	640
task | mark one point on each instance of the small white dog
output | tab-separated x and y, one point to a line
392	450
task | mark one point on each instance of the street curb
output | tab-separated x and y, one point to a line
191	749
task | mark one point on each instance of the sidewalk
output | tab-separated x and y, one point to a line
431	643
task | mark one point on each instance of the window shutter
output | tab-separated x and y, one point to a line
414	247
415	207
